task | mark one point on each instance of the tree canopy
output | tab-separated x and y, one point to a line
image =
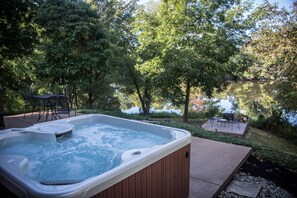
274	49
93	49
189	44
17	36
76	46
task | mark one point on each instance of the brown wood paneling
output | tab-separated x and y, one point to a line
149	184
159	178
143	184
153	167
166	178
138	186
118	190
125	185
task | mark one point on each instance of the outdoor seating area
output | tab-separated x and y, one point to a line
227	125
52	106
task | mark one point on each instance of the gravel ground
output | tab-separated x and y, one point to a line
269	189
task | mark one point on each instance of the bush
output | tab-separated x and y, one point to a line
277	125
260	123
212	111
198	115
164	115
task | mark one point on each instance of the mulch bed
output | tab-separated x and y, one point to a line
269	171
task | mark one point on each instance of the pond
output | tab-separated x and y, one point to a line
247	98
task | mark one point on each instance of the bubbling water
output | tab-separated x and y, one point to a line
92	149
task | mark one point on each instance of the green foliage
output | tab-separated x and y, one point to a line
137	74
276	124
190	44
14	103
17	31
273	48
163	115
197	115
76	48
212	111
17	38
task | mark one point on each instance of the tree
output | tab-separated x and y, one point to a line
147	61
118	17
198	40
274	48
17	31
76	47
17	38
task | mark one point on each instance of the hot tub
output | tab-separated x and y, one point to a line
95	155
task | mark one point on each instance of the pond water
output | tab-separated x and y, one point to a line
247	98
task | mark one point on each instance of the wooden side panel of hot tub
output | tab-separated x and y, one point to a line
166	178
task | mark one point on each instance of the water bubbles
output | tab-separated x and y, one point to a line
91	150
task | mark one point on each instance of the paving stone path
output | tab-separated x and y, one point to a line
245	185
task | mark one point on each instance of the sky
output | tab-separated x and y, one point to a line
281	3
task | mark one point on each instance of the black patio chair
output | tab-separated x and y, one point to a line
50	108
228	116
31	105
61	106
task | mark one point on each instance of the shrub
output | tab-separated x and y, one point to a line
212	111
164	115
277	125
199	115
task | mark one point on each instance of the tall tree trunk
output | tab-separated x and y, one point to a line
147	101
142	100
90	99
187	100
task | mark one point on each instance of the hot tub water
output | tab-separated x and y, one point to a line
92	154
92	149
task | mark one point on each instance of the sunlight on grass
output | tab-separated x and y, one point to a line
263	137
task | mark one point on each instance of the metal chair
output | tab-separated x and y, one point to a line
61	106
50	108
228	116
31	105
213	120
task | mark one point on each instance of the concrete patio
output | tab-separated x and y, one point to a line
213	164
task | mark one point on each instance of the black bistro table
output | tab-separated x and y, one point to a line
47	105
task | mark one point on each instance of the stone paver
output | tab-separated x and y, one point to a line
246	189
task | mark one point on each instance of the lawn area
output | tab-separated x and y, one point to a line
266	138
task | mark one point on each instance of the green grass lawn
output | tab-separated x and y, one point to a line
266	138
